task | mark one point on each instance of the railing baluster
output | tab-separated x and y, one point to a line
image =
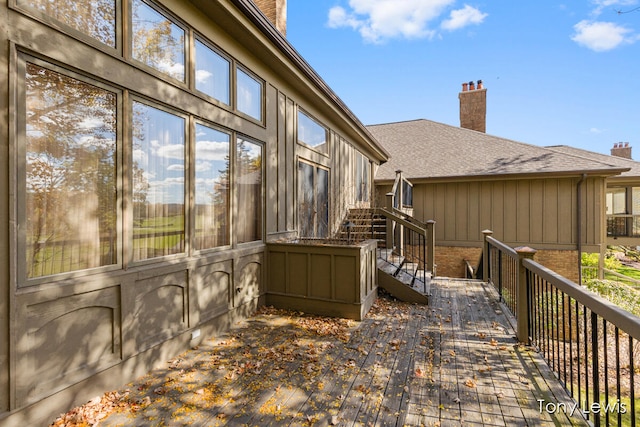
578	350
595	365
606	371
618	390
571	346
586	357
564	340
632	384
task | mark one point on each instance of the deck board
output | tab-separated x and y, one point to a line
454	362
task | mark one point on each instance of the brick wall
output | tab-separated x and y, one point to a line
276	11
450	261
473	110
564	263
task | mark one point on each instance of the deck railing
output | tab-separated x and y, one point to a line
410	244
591	345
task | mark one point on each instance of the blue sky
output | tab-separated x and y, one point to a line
555	72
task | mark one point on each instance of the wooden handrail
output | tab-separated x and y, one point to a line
402	221
624	320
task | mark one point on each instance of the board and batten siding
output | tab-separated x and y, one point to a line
68	336
541	213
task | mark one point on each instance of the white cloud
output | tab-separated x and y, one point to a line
378	20
212	150
172	151
202	76
601	36
461	18
613	5
596	130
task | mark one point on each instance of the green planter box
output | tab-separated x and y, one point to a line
325	279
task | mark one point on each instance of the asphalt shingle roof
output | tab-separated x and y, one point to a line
427	149
604	158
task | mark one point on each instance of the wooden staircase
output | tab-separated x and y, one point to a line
403	277
364	224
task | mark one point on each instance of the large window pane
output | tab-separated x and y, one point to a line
157	41
212	73
363	178
212	188
311	132
313	200
306	199
70	174
249	95
249	185
96	18
158	182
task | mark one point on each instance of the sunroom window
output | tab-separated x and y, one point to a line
211	188
248	94
157	41
311	132
212	73
95	18
158	168
69	174
249	190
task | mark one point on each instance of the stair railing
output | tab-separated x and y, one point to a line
411	241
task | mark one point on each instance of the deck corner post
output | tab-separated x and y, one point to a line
485	255
522	295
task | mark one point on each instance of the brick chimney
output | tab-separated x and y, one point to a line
621	149
276	11
473	106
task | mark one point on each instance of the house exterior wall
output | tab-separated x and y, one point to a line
540	213
64	337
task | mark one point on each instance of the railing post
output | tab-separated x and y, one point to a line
390	238
485	255
431	247
522	295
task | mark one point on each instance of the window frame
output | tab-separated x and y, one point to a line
239	68
129	238
197	38
18	167
315	166
193	179
235	196
188	36
362	171
56	24
325	150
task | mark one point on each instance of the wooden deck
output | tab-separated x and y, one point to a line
454	362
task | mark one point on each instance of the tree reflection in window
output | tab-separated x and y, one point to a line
157	41
95	18
158	182
211	188
313	200
70	174
249	190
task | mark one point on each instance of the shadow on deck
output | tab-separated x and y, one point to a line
453	362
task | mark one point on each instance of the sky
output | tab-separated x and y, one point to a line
556	73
